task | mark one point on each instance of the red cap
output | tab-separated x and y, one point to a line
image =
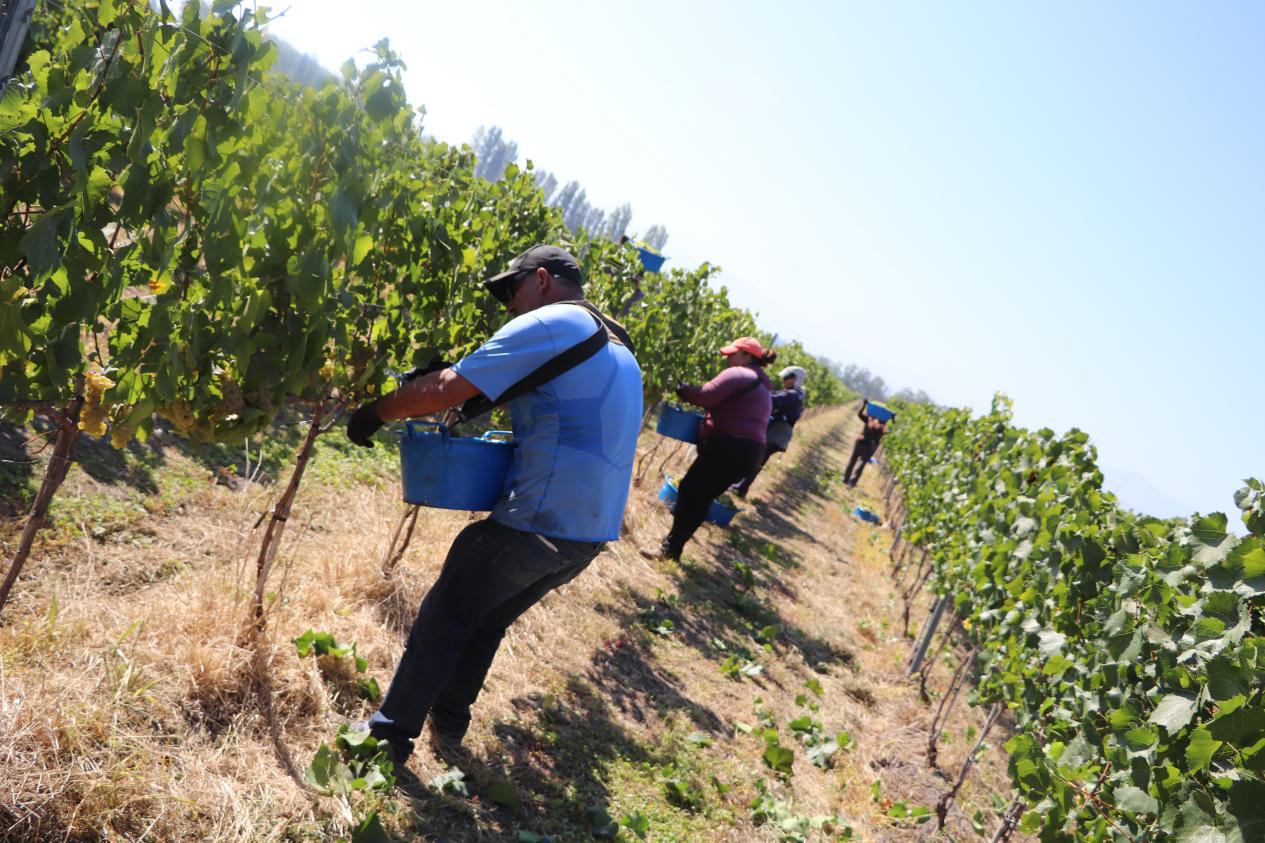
751	345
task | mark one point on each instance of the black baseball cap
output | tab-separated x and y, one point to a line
557	260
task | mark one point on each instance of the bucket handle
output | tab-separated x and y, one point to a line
411	428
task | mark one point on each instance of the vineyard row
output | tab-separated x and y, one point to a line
1130	651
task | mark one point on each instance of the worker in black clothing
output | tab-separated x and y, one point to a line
788	406
867	443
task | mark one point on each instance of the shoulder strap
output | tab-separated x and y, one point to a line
748	388
617	333
608	330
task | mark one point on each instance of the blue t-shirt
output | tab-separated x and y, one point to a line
575	436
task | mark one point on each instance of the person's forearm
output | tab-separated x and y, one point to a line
425	395
709	394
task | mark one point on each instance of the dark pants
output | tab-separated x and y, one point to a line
492	575
861	453
744	485
721	462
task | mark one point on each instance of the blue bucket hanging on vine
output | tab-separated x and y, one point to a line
651	261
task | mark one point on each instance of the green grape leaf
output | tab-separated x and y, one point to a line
1243	569
1173	712
1200	750
1247	810
39	244
1135	800
1235	725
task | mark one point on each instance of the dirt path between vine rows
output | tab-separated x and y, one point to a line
643	689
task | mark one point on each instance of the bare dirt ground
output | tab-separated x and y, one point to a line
129	696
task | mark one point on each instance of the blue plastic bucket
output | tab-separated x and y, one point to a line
878	411
717	513
650	261
677	423
453	472
720	515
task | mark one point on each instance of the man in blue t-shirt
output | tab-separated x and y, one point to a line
574	435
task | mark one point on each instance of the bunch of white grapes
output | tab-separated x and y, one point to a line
94	413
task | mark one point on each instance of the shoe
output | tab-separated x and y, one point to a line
447	748
398	754
663	551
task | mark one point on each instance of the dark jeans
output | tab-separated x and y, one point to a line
721	462
492	575
744	485
861	453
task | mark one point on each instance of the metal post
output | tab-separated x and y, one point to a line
927	635
15	19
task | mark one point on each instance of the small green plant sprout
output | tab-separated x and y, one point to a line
744	727
655	616
636	822
768	809
356	762
312	643
735	668
777	757
821	748
318	644
815	686
917	814
746	579
802	701
661	626
681	790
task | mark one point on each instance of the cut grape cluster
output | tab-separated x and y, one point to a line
95	411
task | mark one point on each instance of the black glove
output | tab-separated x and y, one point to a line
363	423
679	388
435	365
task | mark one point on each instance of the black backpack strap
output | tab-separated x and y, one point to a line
608	330
618	334
748	388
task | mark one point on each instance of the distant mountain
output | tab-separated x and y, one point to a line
300	66
1137	493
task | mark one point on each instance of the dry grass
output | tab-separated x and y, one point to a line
129	704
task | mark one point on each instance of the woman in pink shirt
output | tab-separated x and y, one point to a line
731	440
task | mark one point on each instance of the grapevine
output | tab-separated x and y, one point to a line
224	243
1129	650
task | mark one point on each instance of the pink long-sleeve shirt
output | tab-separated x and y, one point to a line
744	416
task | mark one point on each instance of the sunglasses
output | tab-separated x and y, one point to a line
506	291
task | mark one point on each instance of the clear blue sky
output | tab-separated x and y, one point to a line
1065	201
